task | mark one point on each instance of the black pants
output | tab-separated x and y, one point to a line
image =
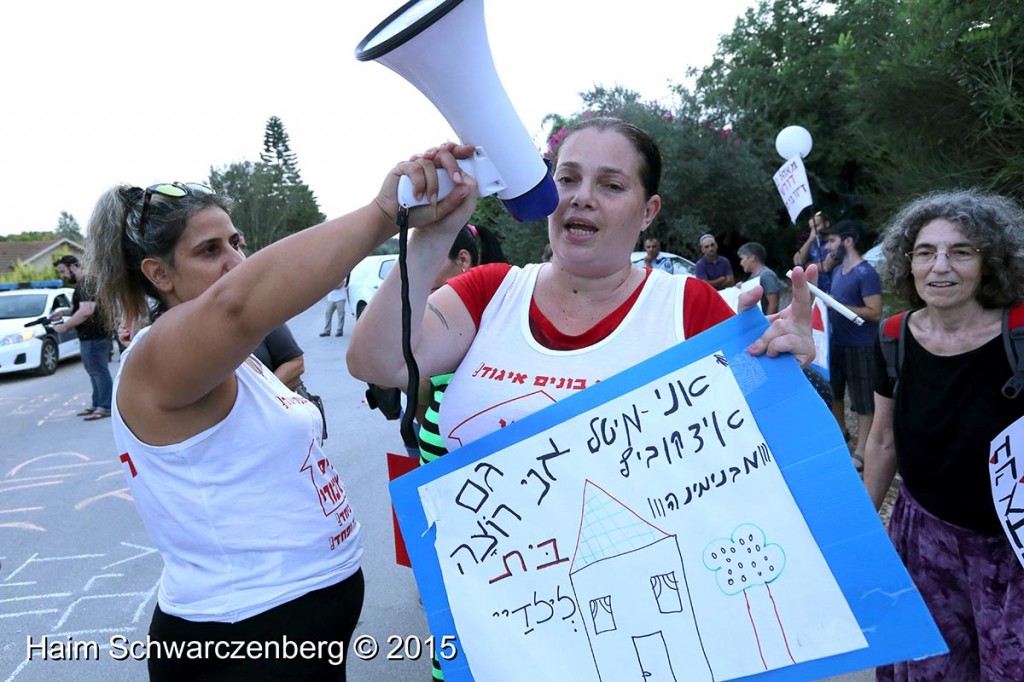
307	638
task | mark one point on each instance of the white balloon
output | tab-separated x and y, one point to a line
793	140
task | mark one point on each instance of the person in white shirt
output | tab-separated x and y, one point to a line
337	298
226	464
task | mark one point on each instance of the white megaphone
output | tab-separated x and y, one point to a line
440	46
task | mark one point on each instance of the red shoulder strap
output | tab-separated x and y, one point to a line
1017	316
891	326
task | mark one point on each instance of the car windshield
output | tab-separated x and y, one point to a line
22	305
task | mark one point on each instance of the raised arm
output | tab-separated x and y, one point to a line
441	327
230	317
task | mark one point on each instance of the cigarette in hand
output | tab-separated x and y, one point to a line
833	303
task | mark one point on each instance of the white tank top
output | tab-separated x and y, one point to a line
507	375
248	514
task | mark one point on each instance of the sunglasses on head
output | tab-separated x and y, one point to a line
170	190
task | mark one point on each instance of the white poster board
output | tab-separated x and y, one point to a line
665	523
1006	471
791	181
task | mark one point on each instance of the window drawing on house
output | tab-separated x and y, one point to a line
621	559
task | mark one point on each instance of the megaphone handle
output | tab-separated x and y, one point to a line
406	199
479	166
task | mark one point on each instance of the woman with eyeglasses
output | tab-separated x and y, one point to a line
224	462
957	259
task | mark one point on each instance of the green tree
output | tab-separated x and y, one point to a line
271	201
277	151
35	236
939	96
260	207
521	242
778	68
901	96
710	182
67	227
303	209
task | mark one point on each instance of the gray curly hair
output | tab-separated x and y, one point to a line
991	222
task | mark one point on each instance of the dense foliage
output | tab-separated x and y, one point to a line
901	97
271	201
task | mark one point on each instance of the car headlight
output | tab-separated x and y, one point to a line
19	337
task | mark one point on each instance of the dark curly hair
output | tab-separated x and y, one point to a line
994	224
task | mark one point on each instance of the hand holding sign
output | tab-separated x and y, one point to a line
790	331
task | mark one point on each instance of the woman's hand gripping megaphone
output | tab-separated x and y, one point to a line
478	165
426	185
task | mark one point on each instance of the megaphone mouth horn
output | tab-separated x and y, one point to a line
405	24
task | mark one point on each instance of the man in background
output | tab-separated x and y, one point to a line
812	249
654	259
714	269
93	336
752	260
336	300
856	285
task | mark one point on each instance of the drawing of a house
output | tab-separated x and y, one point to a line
630	584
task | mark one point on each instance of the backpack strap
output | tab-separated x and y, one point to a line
890	336
1013	342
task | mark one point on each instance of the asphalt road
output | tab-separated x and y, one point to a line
76	562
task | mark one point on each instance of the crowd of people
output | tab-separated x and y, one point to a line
209	434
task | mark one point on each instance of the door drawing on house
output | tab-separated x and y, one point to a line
629	580
652	655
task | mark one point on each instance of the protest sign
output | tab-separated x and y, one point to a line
820	332
1006	471
791	181
667	522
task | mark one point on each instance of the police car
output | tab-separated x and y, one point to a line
35	348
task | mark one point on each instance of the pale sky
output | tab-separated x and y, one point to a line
124	91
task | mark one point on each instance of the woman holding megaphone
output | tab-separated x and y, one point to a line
224	462
587	313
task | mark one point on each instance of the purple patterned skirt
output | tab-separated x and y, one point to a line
973	586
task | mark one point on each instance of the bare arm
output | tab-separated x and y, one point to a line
290	372
257	296
800	257
880	452
773	304
84	312
871	311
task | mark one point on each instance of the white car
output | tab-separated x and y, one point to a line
680	265
366	278
33	348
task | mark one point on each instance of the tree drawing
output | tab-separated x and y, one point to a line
745	561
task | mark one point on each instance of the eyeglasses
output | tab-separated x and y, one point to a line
958	254
171	190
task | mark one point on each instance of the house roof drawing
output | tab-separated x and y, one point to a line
609	528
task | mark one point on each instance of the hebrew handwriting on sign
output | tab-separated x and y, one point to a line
592	533
1006	473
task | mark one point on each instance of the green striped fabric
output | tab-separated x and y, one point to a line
432	447
431	443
